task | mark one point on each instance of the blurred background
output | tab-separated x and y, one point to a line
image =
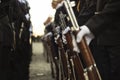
40	10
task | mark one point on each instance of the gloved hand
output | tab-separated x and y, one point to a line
49	34
57	29
27	16
83	31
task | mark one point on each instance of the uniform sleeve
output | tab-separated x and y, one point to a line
109	15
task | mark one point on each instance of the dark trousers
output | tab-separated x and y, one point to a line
6	43
5	63
107	59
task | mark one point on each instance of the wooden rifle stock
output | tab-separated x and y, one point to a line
75	57
51	53
63	57
92	70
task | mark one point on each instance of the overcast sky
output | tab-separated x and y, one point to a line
40	10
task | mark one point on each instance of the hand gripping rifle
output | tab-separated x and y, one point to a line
92	71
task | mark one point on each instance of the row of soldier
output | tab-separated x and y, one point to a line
15	46
75	57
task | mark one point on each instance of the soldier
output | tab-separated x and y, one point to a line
6	41
24	45
104	26
20	19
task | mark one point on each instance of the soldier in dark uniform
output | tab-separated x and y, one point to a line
6	41
20	19
23	45
86	9
104	26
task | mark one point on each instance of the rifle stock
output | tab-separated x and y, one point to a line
91	67
63	59
50	54
74	57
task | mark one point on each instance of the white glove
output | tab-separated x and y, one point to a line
66	30
48	34
83	31
27	16
57	29
22	1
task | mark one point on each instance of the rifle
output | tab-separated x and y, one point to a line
74	55
52	49
92	71
71	64
62	55
74	59
63	59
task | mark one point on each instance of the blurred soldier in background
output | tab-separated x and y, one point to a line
6	41
15	46
23	48
53	53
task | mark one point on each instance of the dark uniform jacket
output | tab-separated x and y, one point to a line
6	31
87	9
106	24
60	8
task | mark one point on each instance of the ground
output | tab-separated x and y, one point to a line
39	67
